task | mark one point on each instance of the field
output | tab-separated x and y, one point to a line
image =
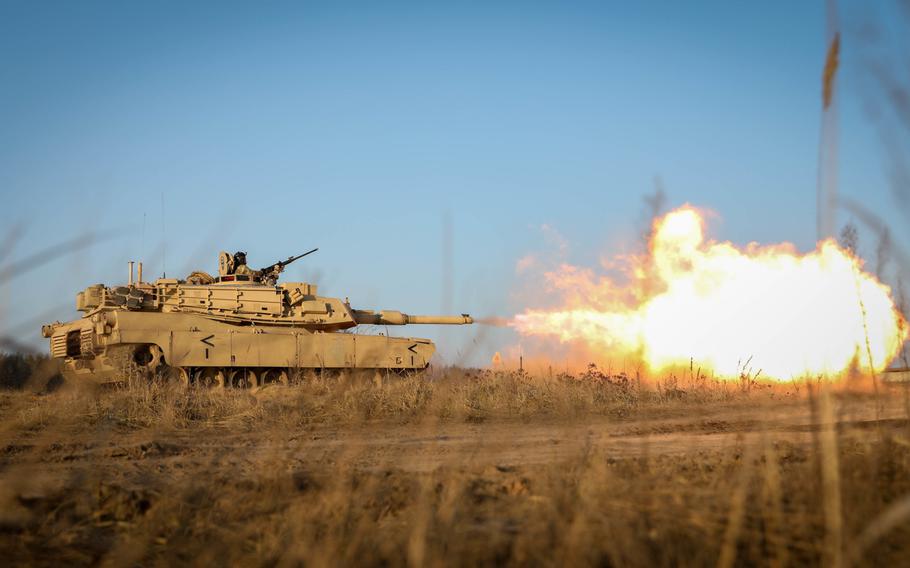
457	467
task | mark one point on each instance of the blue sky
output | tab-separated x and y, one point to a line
358	127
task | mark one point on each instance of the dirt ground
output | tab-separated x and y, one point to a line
507	443
140	475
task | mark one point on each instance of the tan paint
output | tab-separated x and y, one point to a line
237	322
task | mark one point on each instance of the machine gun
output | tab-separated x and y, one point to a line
270	273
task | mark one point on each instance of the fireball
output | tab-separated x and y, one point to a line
730	310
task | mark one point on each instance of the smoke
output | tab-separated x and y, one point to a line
494	321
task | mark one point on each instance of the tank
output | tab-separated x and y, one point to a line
239	329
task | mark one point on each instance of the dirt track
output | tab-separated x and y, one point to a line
426	447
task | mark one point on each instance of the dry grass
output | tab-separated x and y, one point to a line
458	467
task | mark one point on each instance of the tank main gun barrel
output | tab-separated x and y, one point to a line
391	317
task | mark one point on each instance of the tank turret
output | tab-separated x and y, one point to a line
240	328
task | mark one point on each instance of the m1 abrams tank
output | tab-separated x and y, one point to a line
240	329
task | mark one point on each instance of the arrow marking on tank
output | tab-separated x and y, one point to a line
411	348
206	340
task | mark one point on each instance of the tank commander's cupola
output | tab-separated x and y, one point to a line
232	269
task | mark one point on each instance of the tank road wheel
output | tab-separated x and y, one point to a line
209	377
177	375
242	379
275	376
148	356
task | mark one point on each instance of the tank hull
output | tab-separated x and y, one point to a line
102	349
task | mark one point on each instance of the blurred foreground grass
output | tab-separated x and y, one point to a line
456	467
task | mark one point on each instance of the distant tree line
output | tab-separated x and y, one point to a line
18	370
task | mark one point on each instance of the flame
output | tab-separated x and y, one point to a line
496	362
697	301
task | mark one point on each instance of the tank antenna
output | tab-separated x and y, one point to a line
163	241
